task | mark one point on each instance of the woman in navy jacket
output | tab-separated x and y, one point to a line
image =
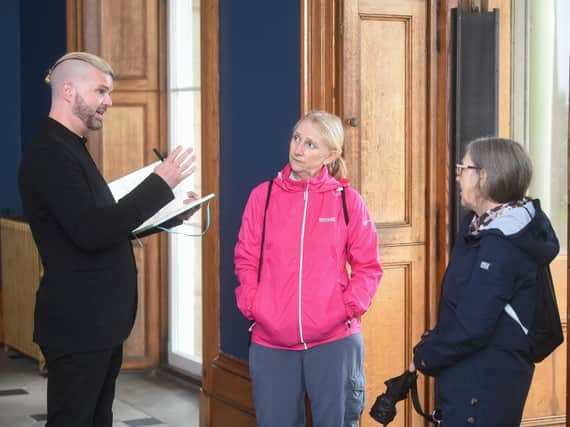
479	351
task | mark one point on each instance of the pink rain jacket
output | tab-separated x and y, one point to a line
306	296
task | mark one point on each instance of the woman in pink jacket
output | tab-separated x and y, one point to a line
298	234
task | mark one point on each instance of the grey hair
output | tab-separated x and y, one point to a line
507	164
87	57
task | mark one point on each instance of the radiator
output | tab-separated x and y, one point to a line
21	274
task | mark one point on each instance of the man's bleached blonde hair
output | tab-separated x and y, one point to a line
89	58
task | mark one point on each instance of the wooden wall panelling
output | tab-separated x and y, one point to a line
392	325
321	51
74	20
131	130
1	317
435	201
504	7
162	145
386	74
125	33
442	164
21	274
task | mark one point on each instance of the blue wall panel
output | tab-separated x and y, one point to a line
43	41
259	104
10	107
33	36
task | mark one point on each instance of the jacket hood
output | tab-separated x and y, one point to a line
528	228
320	183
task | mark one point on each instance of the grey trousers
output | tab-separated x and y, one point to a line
331	374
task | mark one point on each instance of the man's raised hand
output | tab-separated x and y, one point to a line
178	166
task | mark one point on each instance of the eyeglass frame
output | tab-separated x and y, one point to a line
460	167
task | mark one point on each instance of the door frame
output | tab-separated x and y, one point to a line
224	378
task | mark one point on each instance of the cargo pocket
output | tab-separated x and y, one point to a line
354	400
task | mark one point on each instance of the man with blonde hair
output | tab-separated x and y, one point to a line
86	303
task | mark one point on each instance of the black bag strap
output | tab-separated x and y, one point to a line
434	417
263	231
344	208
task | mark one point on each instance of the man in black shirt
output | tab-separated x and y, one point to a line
86	303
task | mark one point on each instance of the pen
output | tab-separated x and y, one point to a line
160	156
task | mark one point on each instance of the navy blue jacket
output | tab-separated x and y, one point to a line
477	352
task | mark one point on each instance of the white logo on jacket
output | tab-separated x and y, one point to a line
329	219
485	265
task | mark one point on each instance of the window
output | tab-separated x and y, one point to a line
185	254
541	49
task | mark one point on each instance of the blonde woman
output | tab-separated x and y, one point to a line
298	234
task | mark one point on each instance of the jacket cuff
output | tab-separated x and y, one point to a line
350	314
422	362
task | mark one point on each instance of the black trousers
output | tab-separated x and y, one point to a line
81	387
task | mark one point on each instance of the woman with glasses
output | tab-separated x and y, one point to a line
479	349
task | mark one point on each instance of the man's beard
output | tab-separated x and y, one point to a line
86	114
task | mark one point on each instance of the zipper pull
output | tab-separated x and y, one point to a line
349	324
251	327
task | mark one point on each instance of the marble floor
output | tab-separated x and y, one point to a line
142	398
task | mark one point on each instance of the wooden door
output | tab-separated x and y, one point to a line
126	33
385	105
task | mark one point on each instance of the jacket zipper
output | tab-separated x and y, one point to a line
306	198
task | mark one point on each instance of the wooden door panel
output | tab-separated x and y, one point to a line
383	136
385	89
392	325
230	416
126	34
385	80
130	133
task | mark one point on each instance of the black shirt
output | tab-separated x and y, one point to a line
88	294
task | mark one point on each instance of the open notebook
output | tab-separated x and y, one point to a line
122	186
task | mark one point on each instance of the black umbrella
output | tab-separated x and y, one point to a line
397	388
384	408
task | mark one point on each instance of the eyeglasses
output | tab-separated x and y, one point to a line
460	167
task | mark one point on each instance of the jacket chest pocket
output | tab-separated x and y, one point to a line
457	278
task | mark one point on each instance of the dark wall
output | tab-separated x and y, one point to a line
32	36
259	104
10	107
42	42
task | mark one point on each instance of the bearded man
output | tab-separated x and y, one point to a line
87	299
